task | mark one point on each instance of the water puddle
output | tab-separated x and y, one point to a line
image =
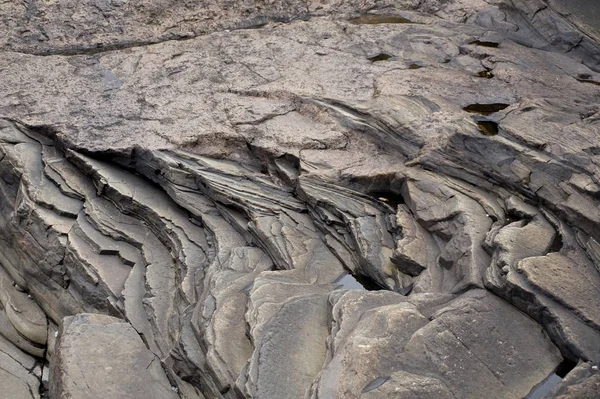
544	388
485	109
485	43
380	57
553	380
348	282
373	19
488	128
415	65
376	383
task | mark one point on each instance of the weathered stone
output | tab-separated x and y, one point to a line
504	355
582	382
101	356
19	373
234	195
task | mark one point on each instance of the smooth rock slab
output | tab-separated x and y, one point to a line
98	356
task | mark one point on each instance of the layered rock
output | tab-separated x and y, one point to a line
348	200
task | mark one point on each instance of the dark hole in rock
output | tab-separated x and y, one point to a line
485	109
380	57
584	76
376	383
157	172
488	128
388	197
549	383
415	65
565	368
484	43
372	19
557	244
485	74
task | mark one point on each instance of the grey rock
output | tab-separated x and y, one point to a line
350	199
101	356
19	374
582	382
392	342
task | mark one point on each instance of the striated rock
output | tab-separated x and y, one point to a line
299	199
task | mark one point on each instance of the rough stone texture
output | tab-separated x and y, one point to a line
20	373
349	199
102	356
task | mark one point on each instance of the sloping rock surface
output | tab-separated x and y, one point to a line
365	199
95	357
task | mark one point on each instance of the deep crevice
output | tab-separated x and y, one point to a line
557	243
542	389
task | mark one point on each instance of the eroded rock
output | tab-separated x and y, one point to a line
102	356
352	199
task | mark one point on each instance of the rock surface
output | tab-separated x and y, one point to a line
366	199
99	356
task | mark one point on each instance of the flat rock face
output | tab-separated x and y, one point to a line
98	356
367	199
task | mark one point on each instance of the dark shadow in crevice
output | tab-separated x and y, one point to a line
390	198
374	19
485	109
485	74
557	243
487	128
565	367
484	43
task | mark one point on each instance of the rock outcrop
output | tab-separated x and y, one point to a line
367	199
